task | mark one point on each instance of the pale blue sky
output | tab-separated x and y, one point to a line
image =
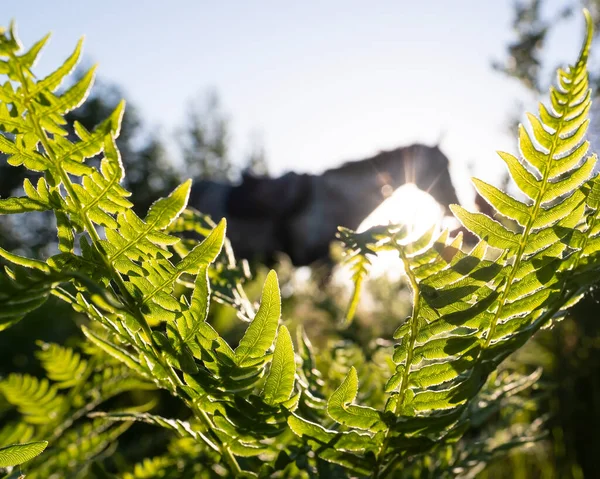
323	82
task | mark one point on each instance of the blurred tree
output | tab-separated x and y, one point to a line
204	140
256	160
525	52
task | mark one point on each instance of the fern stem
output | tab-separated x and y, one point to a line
226	453
389	467
351	311
414	326
64	295
414	329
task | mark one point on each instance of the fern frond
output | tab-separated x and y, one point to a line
358	249
77	448
469	312
14	432
147	294
152	468
260	334
20	453
280	381
228	275
23	290
552	173
37	400
63	365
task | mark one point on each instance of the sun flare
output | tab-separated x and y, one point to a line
407	205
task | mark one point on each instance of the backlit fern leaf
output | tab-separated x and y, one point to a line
64	366
37	400
126	280
156	467
470	310
228	274
23	290
19	453
455	341
77	448
358	250
14	432
93	196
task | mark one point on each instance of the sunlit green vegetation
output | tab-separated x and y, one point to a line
162	358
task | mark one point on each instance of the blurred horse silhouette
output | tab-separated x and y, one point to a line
298	214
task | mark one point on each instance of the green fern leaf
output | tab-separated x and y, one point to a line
200	296
183	428
29	58
494	233
114	351
63	365
11	206
339	446
206	252
37	400
20	453
280	381
19	154
51	108
23	290
259	336
340	407
54	80
472	312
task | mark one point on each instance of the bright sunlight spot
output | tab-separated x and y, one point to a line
407	205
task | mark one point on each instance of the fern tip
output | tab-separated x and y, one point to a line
589	26
272	275
455	207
